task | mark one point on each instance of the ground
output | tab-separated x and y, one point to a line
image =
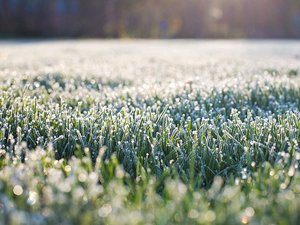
149	132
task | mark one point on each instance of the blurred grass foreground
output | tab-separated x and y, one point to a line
151	18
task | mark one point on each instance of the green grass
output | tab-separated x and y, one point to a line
108	150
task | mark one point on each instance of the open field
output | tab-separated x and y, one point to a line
149	132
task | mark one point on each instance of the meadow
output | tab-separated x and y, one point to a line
149	132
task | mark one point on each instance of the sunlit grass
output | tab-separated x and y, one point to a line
158	148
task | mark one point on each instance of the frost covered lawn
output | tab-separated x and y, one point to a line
149	132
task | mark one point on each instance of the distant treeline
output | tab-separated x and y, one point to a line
151	18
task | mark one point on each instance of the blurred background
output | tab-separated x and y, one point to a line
150	18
